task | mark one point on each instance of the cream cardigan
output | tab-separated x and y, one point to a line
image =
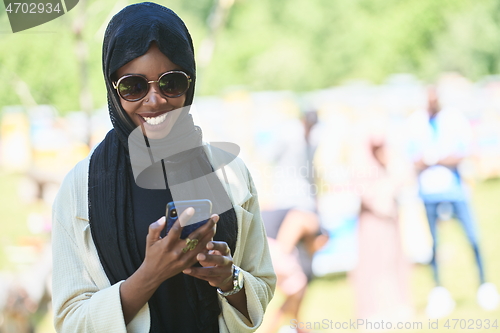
84	300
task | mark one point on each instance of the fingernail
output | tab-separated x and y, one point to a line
162	220
190	211
216	219
210	245
201	256
187	271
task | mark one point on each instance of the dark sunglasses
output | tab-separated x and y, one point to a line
135	87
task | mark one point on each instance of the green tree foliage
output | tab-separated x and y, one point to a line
272	45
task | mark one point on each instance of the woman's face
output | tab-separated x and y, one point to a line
157	114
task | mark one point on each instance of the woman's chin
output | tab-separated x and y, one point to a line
156	134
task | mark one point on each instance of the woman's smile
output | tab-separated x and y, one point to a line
155	120
158	124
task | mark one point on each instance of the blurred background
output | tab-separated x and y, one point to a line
326	90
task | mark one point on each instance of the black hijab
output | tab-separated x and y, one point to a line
112	205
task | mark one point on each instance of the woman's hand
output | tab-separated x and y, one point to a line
164	259
217	266
165	256
218	271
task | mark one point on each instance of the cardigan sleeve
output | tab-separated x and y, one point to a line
79	306
253	257
80	303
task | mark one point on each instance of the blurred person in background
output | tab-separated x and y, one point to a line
439	140
293	227
17	310
381	276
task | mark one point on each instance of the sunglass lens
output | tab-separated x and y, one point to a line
174	84
133	88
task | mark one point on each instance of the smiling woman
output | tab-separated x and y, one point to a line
152	108
113	272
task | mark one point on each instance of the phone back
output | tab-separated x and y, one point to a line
202	212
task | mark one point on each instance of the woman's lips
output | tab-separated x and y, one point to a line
152	114
154	121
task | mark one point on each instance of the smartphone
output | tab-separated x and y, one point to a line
202	212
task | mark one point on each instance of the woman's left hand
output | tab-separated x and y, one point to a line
217	266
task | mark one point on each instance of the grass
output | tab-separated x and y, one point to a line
331	297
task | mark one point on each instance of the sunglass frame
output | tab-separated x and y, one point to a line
117	84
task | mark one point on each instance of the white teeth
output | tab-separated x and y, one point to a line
156	120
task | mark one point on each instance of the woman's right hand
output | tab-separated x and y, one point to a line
164	256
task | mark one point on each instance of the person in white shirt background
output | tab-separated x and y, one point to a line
440	138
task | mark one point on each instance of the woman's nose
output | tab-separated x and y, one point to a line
153	96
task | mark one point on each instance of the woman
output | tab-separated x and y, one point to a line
113	272
381	276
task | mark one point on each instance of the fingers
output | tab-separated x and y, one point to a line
221	247
208	273
186	215
175	231
155	229
213	260
217	269
201	246
204	237
202	231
